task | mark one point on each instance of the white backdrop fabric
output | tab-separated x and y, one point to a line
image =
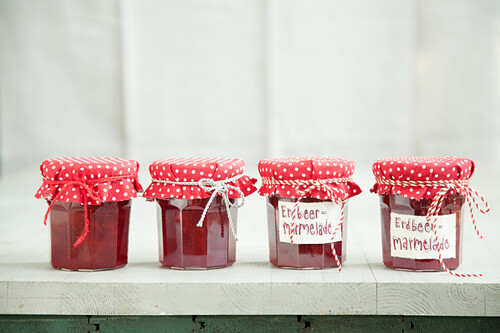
252	79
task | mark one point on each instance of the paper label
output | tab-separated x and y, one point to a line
413	237
314	224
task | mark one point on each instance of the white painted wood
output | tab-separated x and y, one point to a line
420	298
492	299
195	72
459	78
353	290
60	74
3	297
29	285
340	78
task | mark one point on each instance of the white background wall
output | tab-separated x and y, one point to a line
252	79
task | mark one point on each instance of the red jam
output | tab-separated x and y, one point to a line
391	203
104	247
300	235
184	245
303	256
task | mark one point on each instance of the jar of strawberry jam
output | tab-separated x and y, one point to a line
422	206
307	210
197	201
89	207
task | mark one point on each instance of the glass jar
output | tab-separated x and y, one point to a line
183	245
451	209
89	208
196	226
106	244
407	188
288	255
303	240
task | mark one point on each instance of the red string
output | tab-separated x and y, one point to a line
433	212
326	185
86	185
461	187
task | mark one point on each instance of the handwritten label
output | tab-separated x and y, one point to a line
314	224
413	237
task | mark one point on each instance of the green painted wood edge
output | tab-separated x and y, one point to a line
205	324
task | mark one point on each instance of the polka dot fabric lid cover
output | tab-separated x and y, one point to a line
193	170
97	173
407	169
307	168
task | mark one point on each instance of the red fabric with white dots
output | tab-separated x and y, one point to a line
419	169
89	170
307	168
193	170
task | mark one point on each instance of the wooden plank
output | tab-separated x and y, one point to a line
450	324
157	324
459	72
257	324
114	298
450	299
330	62
351	323
293	289
358	295
62	76
3	297
194	69
53	324
492	299
350	298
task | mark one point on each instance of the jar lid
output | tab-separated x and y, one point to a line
170	175
100	179
287	177
419	177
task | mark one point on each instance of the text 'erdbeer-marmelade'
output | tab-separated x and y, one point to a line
422	206
307	210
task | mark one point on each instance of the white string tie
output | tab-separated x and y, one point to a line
216	187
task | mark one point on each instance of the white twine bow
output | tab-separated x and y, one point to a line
216	187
